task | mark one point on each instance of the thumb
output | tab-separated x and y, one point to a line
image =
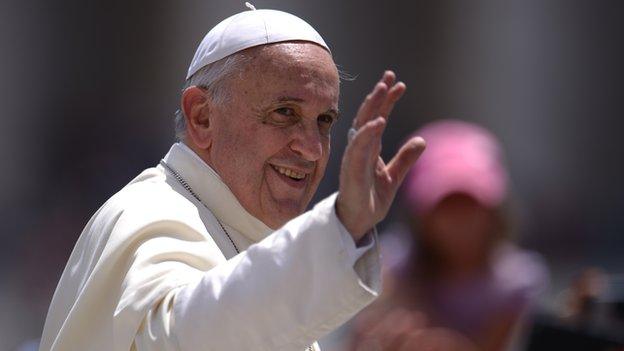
404	159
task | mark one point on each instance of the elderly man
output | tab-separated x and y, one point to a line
210	250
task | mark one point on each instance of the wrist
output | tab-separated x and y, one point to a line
349	221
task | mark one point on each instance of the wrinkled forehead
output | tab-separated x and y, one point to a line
305	57
299	67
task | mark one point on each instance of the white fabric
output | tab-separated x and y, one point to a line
248	29
152	271
236	219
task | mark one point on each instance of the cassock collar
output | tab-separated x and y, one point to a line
214	193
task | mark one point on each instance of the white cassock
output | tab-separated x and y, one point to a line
154	270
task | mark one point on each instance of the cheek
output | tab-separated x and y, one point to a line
322	164
251	147
237	152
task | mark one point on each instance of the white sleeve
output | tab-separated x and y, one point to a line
282	293
365	244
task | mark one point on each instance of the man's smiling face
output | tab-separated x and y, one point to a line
271	138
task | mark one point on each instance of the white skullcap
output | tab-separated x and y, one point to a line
251	28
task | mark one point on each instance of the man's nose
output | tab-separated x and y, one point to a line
308	142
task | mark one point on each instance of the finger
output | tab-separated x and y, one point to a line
375	149
380	167
361	148
389	78
369	109
394	94
403	160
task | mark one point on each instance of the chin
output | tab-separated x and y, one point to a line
286	210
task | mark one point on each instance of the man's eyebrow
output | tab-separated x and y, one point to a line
332	111
289	98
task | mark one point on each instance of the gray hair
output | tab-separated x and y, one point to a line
212	77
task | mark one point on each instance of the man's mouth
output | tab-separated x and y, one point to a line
290	173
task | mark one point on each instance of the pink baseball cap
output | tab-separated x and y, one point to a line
461	157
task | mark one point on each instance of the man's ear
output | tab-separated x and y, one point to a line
198	112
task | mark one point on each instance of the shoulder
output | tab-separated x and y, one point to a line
148	202
151	196
521	271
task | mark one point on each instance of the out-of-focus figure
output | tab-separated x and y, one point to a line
454	280
588	315
578	302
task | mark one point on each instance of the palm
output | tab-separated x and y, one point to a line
381	194
367	184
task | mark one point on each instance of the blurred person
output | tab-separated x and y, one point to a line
211	249
577	303
455	281
585	318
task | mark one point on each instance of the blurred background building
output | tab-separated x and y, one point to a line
89	89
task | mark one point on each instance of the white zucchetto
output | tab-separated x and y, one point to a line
251	28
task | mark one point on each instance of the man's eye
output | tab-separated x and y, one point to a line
281	117
286	111
325	123
326	119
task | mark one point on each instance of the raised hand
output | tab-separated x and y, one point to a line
367	184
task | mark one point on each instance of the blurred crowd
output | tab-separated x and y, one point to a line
454	277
